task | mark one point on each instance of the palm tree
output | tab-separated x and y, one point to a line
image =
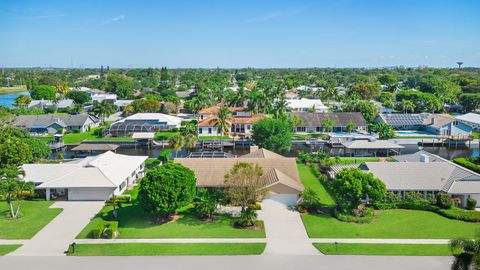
350	126
466	253
327	124
406	106
176	142
280	107
103	110
223	123
62	88
189	140
14	189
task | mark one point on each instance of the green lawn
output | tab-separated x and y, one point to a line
13	89
5	249
34	216
391	224
310	181
156	249
384	249
163	136
355	160
134	222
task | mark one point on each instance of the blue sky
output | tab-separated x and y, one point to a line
257	33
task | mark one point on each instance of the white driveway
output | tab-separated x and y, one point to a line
284	230
53	239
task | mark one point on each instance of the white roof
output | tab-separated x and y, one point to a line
105	170
305	103
143	135
160	117
470	117
101	97
123	102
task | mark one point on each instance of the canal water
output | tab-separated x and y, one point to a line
445	152
7	99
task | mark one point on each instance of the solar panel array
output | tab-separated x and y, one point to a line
403	119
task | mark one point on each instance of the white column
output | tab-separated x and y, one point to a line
47	194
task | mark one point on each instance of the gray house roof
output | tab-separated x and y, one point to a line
409	173
340	118
65	120
423	119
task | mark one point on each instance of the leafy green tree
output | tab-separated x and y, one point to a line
46	92
14	152
22	101
120	85
368	109
351	185
38	148
80	97
388	80
366	90
328	124
470	101
273	134
466	253
310	200
165	189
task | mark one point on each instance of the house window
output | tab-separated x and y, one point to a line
200	130
209	130
301	129
455	123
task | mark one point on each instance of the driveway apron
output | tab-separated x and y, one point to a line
53	239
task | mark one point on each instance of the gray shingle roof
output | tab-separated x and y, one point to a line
340	118
48	119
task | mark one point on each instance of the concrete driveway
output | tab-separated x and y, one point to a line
284	228
53	239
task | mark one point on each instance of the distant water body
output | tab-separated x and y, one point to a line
7	99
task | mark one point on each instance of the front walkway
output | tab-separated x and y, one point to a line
285	231
53	239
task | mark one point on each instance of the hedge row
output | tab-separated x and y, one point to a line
469	163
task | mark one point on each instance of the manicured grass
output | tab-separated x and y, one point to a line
310	181
5	249
214	138
355	160
34	216
13	89
384	249
391	224
163	136
301	136
156	249
134	222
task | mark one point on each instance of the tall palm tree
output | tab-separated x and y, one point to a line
103	110
466	253
14	189
280	107
327	124
406	106
189	140
224	118
176	142
62	88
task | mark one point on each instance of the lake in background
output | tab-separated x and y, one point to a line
7	99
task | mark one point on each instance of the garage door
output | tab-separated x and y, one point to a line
89	194
286	199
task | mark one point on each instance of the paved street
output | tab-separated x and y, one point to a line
227	262
285	231
54	238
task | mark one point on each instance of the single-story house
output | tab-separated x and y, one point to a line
423	172
122	103
53	123
109	98
241	124
306	105
280	173
312	122
185	94
438	124
44	104
89	179
471	119
144	122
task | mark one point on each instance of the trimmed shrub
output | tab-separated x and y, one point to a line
444	201
367	216
310	200
98	231
469	163
119	199
247	218
460	214
471	203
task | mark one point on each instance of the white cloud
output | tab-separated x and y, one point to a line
273	15
115	19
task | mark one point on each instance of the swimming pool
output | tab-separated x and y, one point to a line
413	133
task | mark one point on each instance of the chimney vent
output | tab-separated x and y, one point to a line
424	158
